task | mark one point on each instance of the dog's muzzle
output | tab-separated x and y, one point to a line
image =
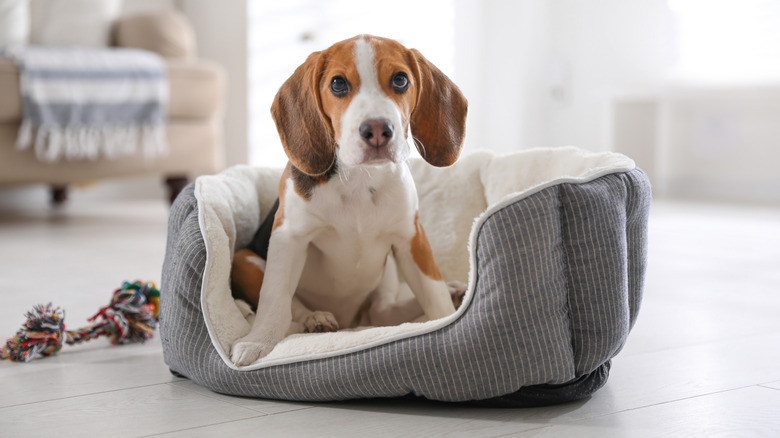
377	133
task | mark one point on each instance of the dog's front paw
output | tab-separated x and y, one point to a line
245	353
457	292
320	322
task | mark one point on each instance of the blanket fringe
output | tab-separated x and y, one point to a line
89	143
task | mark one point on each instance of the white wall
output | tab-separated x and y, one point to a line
722	143
132	6
618	47
542	73
221	33
714	143
500	46
711	132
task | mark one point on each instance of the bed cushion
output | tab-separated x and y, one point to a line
552	244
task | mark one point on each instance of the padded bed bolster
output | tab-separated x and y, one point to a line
601	220
521	269
554	288
181	316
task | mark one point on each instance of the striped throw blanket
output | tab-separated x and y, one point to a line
81	103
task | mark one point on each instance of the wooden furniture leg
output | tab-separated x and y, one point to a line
59	194
175	185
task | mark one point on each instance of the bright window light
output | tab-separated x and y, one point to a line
728	40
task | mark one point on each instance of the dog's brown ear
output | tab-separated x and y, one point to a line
306	135
438	121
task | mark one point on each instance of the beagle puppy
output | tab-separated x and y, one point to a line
345	246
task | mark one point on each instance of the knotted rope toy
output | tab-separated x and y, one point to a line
131	317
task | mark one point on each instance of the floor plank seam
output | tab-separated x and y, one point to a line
204	426
766	386
526	431
82	395
696	344
666	402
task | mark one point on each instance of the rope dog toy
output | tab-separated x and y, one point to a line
130	318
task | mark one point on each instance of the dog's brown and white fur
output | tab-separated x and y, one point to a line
347	247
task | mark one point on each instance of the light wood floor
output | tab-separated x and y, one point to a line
703	360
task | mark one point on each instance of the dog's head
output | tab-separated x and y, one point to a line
357	100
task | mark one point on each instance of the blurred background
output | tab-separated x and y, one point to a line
688	88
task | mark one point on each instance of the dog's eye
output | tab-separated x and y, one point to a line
400	82
339	86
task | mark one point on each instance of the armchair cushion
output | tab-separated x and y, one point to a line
166	32
72	22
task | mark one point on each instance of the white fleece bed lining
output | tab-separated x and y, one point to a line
228	209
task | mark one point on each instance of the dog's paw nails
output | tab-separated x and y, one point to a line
457	292
320	322
246	353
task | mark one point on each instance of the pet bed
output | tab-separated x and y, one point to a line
551	242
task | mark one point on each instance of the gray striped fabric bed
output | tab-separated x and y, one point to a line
556	288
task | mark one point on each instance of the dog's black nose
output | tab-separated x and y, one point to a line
376	132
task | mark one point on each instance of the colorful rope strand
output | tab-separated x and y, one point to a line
130	317
41	334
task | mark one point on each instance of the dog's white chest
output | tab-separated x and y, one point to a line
353	258
361	214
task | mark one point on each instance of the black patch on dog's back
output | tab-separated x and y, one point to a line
259	243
